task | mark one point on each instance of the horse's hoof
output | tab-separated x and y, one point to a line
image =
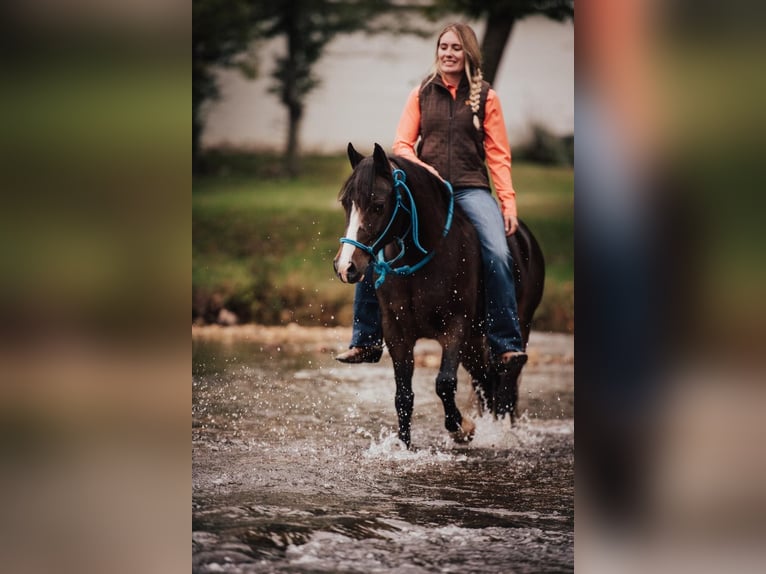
465	432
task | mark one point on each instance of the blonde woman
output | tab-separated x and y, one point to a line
452	123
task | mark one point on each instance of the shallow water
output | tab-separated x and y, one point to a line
296	467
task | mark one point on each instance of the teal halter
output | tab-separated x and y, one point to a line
379	263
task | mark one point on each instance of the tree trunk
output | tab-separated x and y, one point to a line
198	126
196	136
291	96
203	88
499	28
292	152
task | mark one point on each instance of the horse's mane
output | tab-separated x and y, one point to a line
416	173
361	173
432	191
361	179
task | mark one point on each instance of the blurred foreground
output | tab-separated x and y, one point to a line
670	277
94	265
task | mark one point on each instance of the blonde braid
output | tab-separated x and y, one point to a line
475	97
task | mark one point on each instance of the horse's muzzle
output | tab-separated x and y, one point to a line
351	274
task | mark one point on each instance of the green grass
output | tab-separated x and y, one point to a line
263	245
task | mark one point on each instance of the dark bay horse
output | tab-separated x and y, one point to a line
403	224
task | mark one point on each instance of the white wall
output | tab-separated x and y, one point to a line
365	81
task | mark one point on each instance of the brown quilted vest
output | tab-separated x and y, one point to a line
448	139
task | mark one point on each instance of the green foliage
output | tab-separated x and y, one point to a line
222	31
309	25
546	148
223	36
555	9
263	246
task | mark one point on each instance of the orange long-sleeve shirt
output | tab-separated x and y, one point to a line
496	147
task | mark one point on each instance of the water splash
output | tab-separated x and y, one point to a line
297	467
388	447
499	434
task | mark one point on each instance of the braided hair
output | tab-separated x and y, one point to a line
475	94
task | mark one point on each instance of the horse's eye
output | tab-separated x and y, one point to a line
377	207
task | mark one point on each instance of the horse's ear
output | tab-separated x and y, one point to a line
354	156
381	161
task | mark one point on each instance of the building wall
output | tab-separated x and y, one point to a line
365	81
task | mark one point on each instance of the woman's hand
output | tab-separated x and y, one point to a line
511	224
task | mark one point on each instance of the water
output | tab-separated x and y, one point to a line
297	468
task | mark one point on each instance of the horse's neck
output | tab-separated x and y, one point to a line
432	214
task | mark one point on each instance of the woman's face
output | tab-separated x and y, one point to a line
450	55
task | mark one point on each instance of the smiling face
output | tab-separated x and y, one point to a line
450	55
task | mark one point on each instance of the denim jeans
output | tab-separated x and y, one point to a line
503	329
367	330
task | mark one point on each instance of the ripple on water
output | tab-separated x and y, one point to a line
414	548
297	467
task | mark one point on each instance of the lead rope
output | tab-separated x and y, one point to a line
379	263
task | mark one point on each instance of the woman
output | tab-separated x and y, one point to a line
458	119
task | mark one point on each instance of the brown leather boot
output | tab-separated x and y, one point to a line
513	358
361	355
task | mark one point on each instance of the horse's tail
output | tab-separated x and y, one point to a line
529	275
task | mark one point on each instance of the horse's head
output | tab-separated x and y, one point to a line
368	198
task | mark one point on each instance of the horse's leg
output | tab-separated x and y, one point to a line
507	389
460	428
404	365
475	360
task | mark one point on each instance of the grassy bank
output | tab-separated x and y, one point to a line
263	245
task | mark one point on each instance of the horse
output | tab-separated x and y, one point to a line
403	224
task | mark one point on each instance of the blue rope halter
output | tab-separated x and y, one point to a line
379	263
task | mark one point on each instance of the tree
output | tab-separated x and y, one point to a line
501	16
222	31
308	26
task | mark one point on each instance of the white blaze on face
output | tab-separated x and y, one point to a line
354	221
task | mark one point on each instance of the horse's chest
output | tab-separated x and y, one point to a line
425	303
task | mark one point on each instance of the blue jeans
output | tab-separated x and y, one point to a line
367	330
503	329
